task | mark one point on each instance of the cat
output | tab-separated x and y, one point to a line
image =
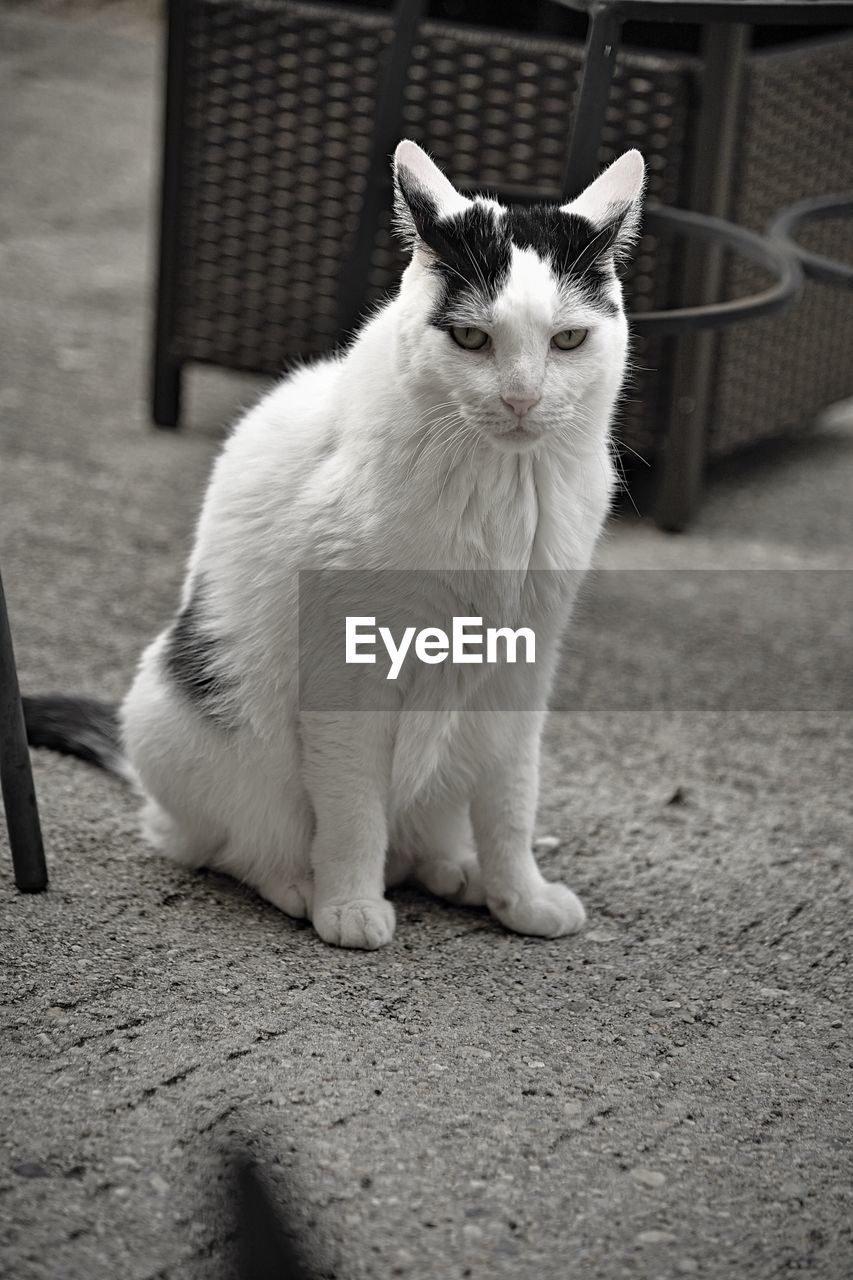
464	429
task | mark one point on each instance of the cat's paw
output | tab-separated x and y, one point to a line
459	881
550	912
295	899
366	924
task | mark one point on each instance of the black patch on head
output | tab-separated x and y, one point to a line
576	249
473	249
194	660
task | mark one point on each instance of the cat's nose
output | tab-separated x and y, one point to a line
520	404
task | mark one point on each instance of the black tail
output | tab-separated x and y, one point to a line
78	727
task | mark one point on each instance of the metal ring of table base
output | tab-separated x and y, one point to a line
784	227
774	256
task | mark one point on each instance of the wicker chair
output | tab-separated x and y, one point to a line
270	128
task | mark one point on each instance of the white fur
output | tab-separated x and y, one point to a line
395	454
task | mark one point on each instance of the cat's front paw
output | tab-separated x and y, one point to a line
551	911
367	923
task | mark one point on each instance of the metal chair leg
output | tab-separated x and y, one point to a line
16	777
166	390
684	452
166	402
389	111
602	44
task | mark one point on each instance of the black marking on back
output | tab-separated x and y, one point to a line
473	249
193	659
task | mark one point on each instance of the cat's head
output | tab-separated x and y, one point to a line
514	315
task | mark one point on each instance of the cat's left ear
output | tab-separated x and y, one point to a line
422	195
613	203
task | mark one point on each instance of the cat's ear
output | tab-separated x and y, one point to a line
613	203
422	195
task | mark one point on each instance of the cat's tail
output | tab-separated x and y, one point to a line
81	727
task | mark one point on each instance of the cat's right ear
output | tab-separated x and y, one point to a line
422	195
614	203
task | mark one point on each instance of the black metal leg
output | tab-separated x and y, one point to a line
16	777
683	459
389	111
166	399
599	63
166	405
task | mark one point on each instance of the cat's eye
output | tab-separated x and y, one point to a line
569	339
469	339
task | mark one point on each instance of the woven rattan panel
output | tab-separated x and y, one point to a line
774	375
278	111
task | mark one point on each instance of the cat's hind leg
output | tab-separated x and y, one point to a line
273	825
282	873
294	897
173	753
439	835
190	844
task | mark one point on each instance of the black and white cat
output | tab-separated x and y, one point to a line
466	428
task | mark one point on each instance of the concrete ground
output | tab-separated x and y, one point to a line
668	1094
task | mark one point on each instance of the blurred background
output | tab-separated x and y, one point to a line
273	232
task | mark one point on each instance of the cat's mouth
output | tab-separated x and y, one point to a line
521	436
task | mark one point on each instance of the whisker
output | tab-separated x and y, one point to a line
622	445
451	468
